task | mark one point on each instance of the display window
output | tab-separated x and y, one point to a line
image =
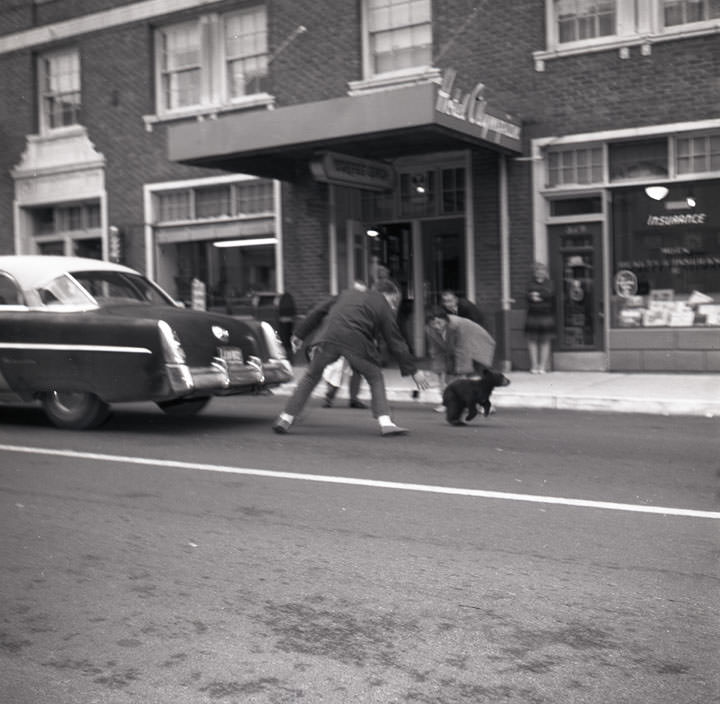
666	256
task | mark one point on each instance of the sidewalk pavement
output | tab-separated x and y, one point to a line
662	394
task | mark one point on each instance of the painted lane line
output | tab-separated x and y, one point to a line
370	483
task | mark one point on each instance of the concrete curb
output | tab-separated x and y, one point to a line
595	398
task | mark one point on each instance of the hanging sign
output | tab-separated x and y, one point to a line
345	170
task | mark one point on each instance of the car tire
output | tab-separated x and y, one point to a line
184	406
75	410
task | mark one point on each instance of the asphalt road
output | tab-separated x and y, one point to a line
535	556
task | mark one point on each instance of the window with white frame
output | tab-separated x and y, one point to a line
577	25
225	200
574	166
193	57
246	52
399	35
697	154
68	229
679	12
181	70
578	20
59	89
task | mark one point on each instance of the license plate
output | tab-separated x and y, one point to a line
231	354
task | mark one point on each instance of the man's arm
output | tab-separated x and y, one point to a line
314	318
398	348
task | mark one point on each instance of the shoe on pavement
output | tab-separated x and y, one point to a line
327	403
439	409
281	426
393	429
356	403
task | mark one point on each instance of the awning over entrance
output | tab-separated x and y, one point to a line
383	125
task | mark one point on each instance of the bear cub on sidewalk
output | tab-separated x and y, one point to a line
463	394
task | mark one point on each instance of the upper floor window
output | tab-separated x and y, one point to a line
399	34
676	12
212	60
59	84
180	66
577	26
246	52
584	19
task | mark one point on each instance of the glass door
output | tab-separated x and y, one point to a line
576	269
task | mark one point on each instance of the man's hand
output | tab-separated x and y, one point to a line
421	380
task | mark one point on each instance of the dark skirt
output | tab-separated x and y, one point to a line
540	326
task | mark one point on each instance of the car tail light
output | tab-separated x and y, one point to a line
172	348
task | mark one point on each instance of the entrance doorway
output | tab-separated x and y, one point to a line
424	258
443	259
576	267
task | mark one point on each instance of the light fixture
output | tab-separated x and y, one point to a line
690	200
245	243
419	188
657	192
372	231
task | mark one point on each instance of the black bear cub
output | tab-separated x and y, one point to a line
468	394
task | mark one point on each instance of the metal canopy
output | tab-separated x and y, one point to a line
383	125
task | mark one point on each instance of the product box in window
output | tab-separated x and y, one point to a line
710	314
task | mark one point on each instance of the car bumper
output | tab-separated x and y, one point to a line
276	372
219	378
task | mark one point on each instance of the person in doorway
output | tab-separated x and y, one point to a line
461	307
352	323
540	321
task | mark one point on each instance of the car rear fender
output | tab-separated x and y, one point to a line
115	359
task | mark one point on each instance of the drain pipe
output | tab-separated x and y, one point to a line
505	301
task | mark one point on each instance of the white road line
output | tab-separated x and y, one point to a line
371	483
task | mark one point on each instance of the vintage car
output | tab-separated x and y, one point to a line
79	334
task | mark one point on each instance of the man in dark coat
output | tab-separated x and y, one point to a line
351	325
461	307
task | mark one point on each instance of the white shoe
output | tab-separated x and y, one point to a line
392	429
439	409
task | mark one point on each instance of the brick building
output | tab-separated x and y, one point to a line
258	146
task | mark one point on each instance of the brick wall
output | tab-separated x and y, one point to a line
17	117
305	228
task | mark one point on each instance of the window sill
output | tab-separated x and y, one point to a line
399	79
211	112
623	44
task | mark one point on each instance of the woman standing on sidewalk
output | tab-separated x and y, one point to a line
540	321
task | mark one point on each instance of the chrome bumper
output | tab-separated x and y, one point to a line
277	371
220	377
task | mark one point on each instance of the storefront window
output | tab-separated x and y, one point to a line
666	257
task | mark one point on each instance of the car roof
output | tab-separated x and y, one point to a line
31	270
